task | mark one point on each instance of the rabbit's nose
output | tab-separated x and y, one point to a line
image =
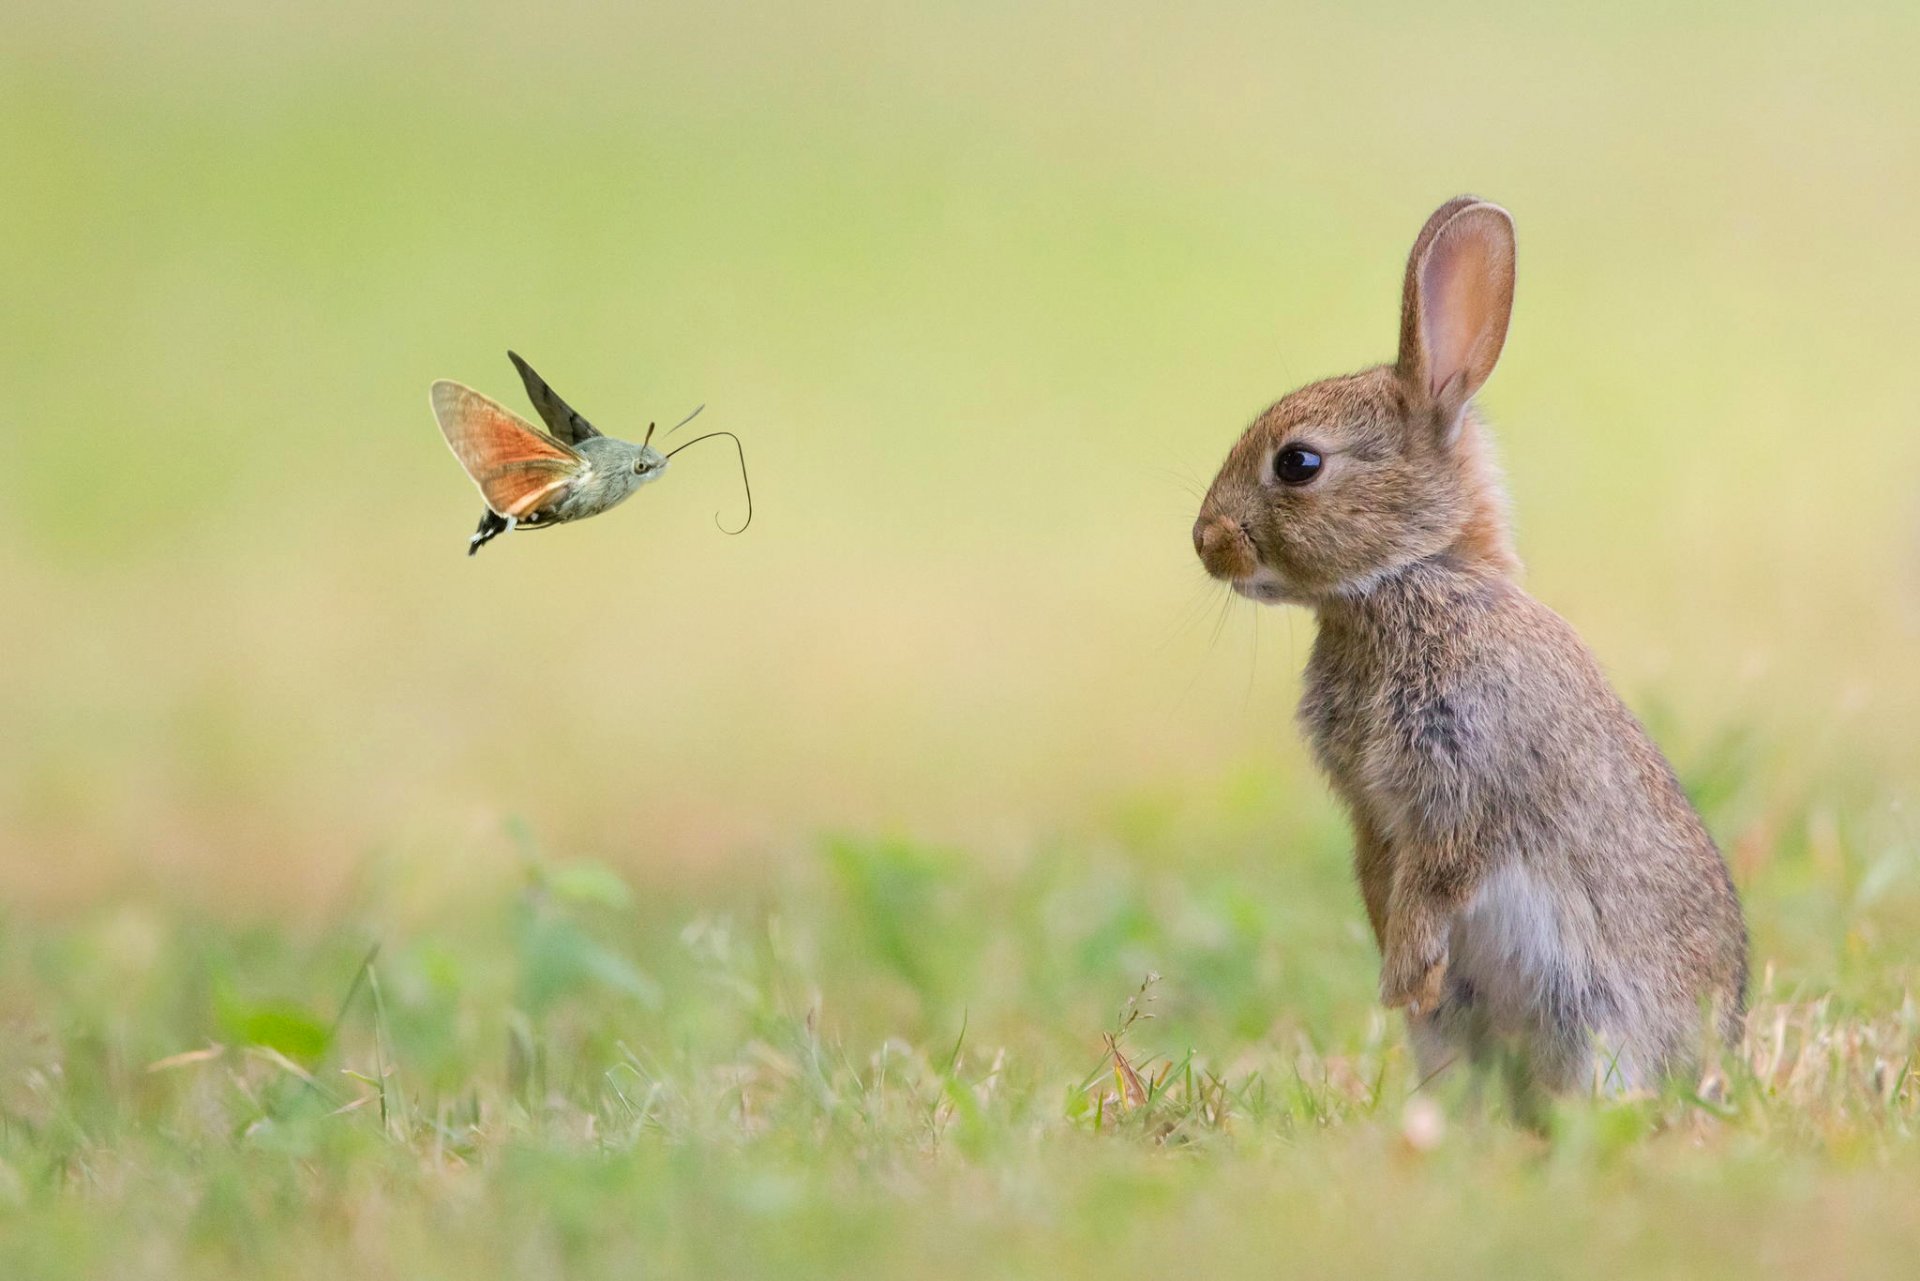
1223	547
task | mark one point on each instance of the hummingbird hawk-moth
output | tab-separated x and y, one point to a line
531	479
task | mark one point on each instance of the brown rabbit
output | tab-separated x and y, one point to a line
1536	880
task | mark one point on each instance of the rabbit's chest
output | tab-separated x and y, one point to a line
1333	715
1381	727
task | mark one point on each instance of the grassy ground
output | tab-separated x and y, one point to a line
759	905
893	1062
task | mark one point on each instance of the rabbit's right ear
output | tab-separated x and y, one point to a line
1455	308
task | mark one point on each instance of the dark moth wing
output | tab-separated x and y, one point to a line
519	469
567	427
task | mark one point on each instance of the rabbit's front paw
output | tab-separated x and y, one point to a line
1414	983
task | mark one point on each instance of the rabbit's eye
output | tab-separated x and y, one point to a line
1296	466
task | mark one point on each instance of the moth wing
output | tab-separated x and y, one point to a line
559	417
517	467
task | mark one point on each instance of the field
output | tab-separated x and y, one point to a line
636	900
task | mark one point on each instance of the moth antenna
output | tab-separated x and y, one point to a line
684	421
745	484
649	439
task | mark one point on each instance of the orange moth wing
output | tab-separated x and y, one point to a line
517	467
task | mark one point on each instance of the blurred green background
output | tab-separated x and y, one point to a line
988	290
665	834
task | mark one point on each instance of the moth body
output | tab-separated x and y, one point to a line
613	471
528	478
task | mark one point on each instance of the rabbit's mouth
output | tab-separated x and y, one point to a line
1264	586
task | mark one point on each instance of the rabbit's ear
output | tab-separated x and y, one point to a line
1458	299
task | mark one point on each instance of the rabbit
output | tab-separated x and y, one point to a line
1543	895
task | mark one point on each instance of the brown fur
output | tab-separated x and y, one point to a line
1535	878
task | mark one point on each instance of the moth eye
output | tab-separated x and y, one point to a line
1296	465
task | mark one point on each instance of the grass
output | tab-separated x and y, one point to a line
637	899
901	1059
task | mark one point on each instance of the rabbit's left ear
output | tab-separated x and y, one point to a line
1458	299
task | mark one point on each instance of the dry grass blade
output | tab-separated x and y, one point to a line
270	1055
187	1058
1132	1092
